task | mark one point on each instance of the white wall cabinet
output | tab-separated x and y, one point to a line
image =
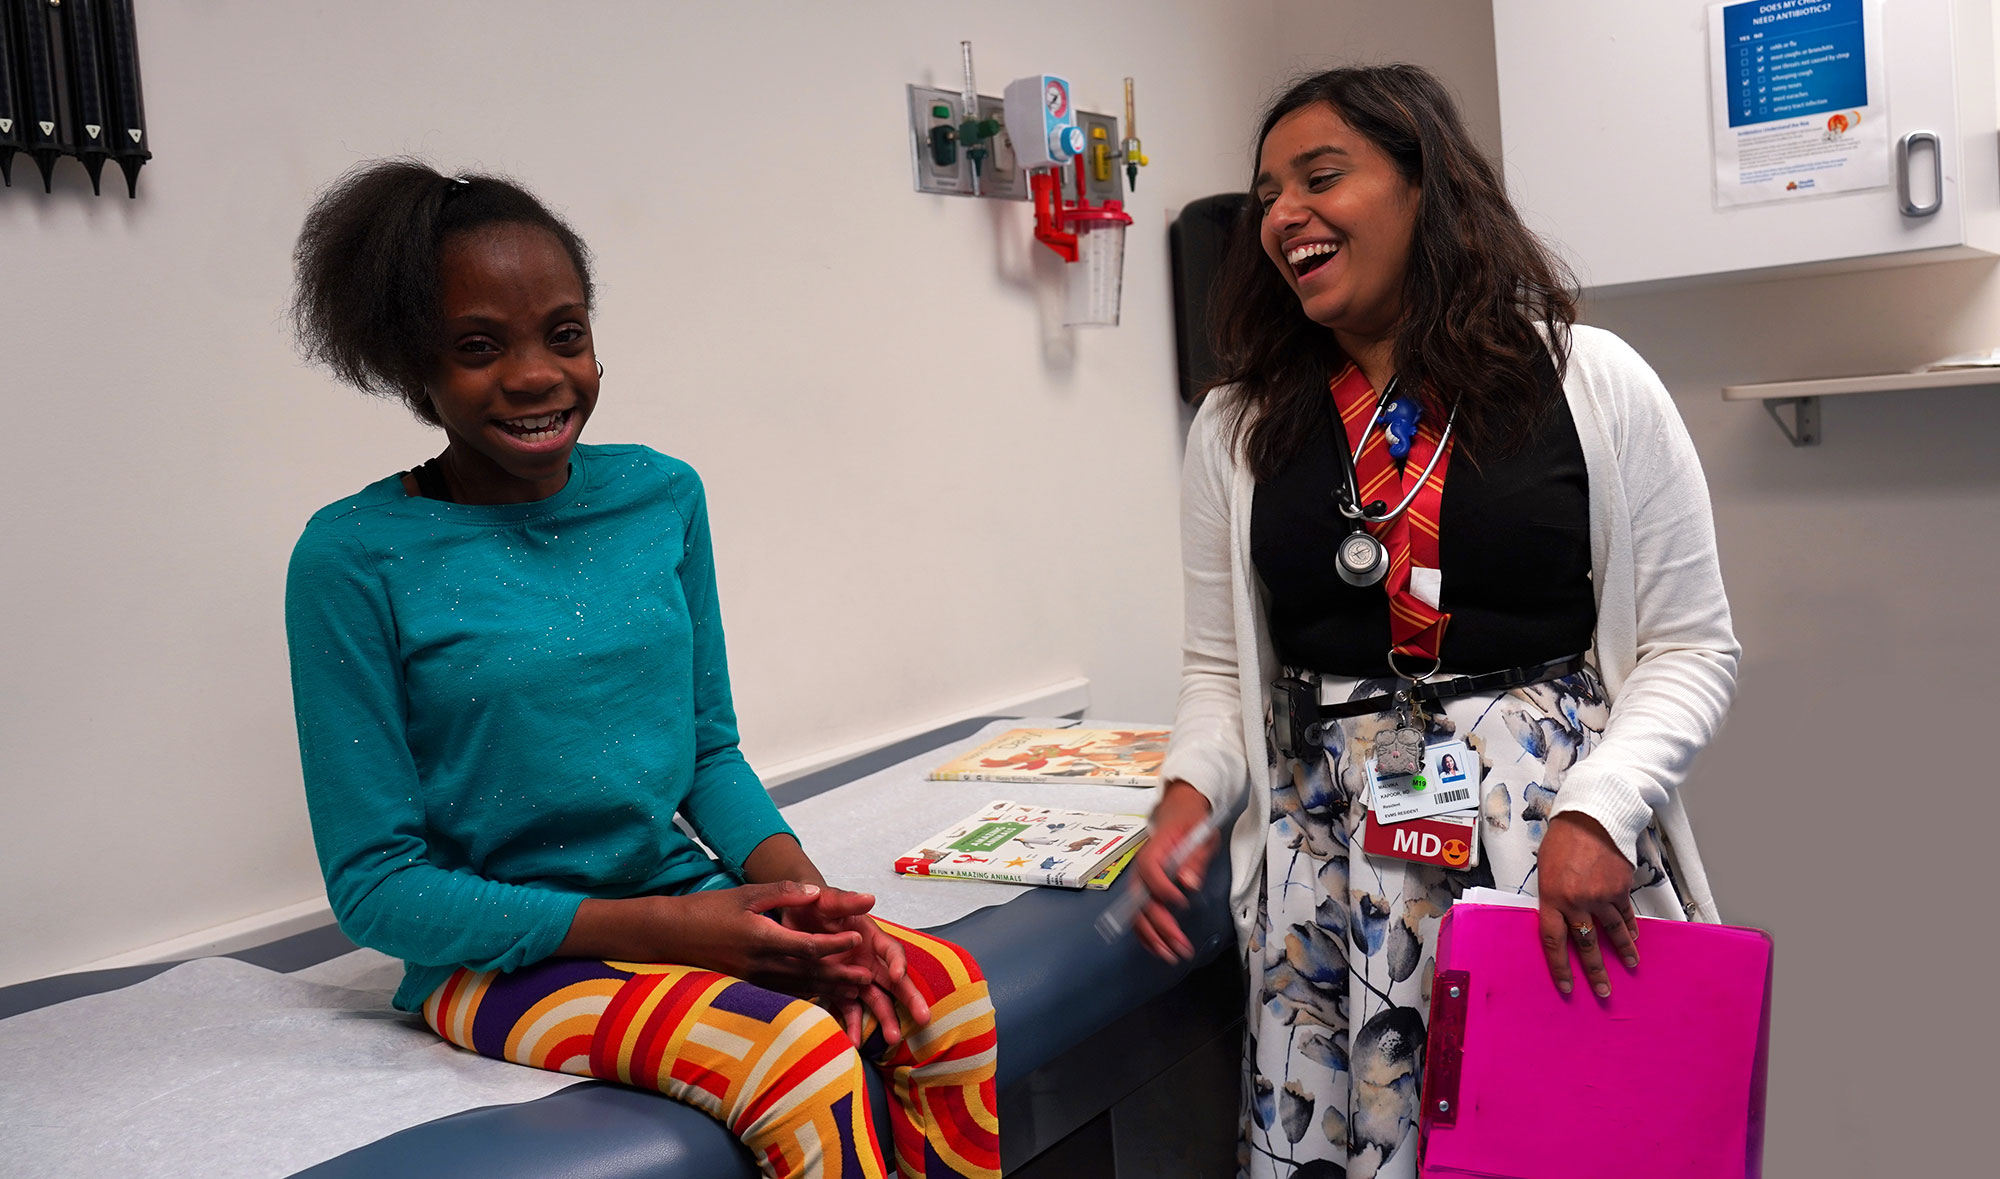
1605	125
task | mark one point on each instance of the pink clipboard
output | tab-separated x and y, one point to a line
1664	1078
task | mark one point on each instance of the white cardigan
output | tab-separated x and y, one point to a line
1664	644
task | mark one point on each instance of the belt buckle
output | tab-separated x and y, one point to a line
1458	685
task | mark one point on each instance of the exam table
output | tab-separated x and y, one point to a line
1110	1063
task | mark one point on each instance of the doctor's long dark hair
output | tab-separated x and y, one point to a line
1478	286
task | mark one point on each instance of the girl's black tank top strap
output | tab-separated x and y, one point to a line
430	482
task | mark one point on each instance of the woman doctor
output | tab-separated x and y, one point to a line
1416	469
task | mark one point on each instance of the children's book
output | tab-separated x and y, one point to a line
1023	844
1110	871
1097	883
1106	757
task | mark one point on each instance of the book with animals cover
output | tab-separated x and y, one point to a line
1019	843
1106	757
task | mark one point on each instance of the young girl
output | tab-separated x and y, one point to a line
509	676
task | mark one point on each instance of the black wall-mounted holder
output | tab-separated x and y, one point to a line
130	145
69	86
41	105
1199	241
13	140
89	124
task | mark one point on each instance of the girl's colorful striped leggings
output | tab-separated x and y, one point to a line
778	1071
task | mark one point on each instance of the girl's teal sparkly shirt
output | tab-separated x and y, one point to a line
503	707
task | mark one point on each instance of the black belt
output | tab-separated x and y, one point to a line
1299	720
1459	685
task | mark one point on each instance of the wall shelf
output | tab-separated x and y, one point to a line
1803	396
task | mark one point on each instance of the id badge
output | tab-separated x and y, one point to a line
1449	784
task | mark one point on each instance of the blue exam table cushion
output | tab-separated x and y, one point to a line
1053	980
1055	985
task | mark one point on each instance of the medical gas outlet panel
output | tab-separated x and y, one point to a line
944	164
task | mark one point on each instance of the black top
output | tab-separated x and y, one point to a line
1513	542
431	483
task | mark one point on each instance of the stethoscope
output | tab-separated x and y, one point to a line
1361	559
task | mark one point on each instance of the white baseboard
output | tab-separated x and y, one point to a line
251	931
1059	699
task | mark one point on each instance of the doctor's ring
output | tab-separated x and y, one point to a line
1583	934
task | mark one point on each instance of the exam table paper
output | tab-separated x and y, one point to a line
221	1068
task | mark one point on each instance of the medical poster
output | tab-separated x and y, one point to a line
1799	105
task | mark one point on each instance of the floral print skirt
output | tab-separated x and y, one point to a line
1345	943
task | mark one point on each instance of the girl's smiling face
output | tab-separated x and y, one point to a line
516	376
1338	221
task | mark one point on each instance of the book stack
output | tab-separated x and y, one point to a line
1024	844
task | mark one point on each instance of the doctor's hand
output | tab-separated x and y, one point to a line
838	911
1180	811
1585	886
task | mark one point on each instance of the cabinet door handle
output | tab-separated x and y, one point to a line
1907	147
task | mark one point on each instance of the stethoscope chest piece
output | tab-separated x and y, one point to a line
1361	559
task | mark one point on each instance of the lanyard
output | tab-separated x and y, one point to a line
1410	533
1351	505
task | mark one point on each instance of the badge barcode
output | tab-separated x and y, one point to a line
1454	796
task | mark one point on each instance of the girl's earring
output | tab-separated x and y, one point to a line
600	369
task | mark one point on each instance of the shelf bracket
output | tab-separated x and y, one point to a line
1804	427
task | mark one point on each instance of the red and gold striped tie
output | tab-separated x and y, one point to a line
1416	628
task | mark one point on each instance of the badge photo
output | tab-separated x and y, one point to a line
1448	784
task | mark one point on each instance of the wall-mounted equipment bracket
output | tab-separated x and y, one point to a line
942	167
1804	396
1804	430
